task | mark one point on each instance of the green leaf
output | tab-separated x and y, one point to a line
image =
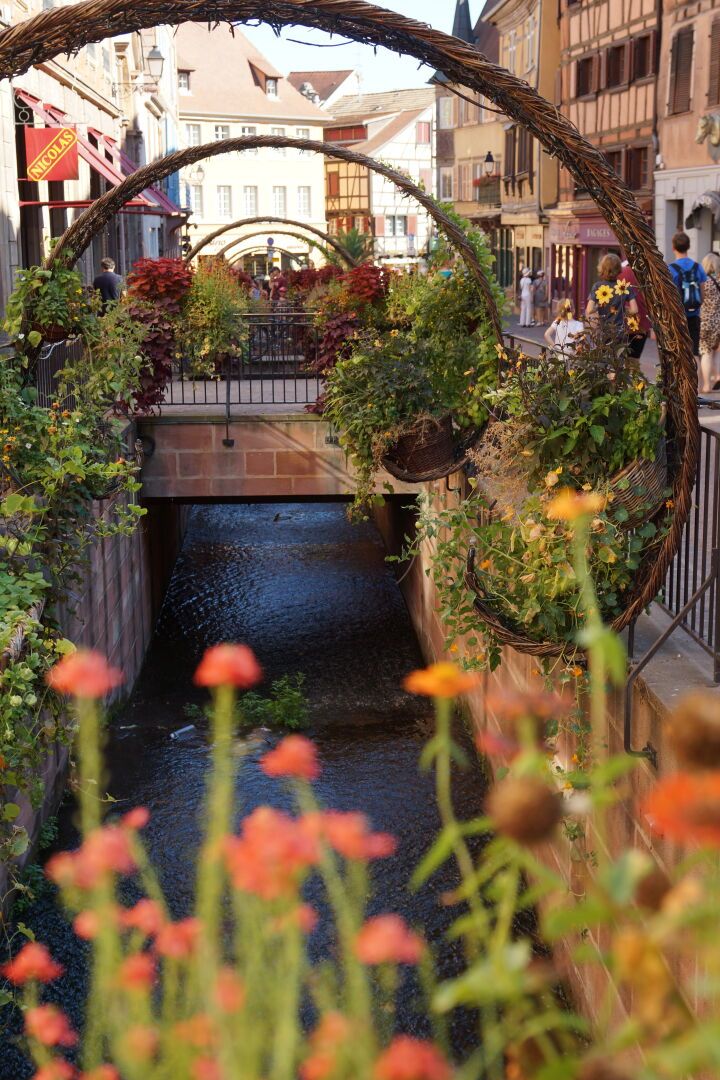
26	931
34	338
10	811
440	851
597	433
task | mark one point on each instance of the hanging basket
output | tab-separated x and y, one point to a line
52	333
430	452
641	488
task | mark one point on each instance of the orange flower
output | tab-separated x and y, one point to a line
86	925
441	680
178	939
136	972
411	1059
294	756
197	1031
350	835
686	807
569	505
141	1042
84	674
386	939
206	1069
137	818
304	917
57	1069
271	854
50	1026
104	851
102	1072
147	916
32	964
229	991
229	665
326	1041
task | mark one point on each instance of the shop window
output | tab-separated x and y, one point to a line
643	56
714	85
585	76
681	55
637	168
616	65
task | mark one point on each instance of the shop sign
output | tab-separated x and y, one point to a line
52	153
596	232
563	231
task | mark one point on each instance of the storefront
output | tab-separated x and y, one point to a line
687	200
521	244
577	246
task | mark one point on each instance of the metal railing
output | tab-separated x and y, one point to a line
52	360
274	366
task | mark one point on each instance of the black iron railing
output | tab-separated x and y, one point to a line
52	360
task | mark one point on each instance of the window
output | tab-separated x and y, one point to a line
446	182
445	113
250	201
637	172
524	151
681	54
422	133
91	50
222	131
195	198
616	72
224	201
106	60
280	150
615	160
184	82
396	225
714	87
280	201
304	201
510	140
248	131
464	192
530	42
585	76
643	56
333	184
271	88
192	134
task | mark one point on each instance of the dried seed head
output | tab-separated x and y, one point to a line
652	889
694	731
525	809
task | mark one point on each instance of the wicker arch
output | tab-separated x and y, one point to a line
79	234
242	222
281	250
223	253
67	29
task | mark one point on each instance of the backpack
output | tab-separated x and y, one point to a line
689	287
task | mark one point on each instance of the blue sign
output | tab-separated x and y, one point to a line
270	241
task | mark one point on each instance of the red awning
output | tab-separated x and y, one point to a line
151	201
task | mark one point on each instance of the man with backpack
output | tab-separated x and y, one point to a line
690	279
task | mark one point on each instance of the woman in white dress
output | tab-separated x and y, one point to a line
565	330
526	298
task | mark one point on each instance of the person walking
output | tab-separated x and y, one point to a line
108	283
564	331
690	279
526	298
710	325
637	340
611	301
541	299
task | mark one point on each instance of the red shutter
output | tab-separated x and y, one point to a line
379	225
681	71
412	223
426	178
653	50
714	83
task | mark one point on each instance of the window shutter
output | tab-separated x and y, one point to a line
627	63
412	223
681	70
379	225
599	69
510	152
653	53
714	85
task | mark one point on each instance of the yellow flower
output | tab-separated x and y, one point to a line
568	505
441	680
377	343
394	333
669	503
622	288
453	648
571	372
640	386
551	479
485	564
603	294
633	323
559	469
500	351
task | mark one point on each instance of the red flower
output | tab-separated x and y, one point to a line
229	991
102	1072
32	964
147	916
326	1041
104	851
294	756
84	674
350	835
411	1059
197	1031
206	1069
271	854
57	1069
136	972
141	1042
178	939
686	807
386	939
137	818
50	1026
86	925
229	665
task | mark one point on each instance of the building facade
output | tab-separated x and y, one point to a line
397	127
256	100
607	87
687	178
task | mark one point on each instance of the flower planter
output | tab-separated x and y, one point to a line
640	488
424	449
52	333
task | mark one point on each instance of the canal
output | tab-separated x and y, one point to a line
311	594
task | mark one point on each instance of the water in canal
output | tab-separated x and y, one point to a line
309	593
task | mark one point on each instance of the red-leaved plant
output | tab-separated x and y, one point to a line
156	290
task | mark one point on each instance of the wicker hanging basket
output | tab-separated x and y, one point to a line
641	488
431	452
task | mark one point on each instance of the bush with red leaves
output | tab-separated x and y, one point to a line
301	282
242	278
367	284
156	290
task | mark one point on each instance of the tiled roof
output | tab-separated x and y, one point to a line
367	106
226	78
324	83
387	132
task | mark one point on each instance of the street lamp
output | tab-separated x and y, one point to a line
155	62
196	174
489	164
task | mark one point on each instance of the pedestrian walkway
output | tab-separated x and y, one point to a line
535	334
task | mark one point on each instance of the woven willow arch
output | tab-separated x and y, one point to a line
242	222
293	255
67	29
223	253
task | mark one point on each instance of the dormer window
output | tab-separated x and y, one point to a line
271	88
184	82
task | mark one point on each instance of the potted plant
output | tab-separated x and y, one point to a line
210	329
48	305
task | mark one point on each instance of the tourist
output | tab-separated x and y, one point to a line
257	289
710	325
637	340
278	284
611	301
690	279
541	298
108	283
526	298
565	331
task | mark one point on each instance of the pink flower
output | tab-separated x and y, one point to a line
386	939
32	964
294	756
84	674
229	665
411	1059
178	939
106	850
49	1026
326	1043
